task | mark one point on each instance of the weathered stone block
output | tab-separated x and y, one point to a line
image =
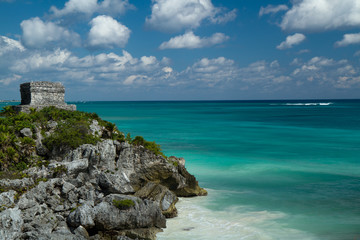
42	94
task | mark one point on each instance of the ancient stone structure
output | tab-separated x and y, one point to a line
42	94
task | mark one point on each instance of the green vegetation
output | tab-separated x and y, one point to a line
18	152
175	163
70	130
152	146
59	170
70	135
123	204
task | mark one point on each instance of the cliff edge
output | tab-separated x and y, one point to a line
71	175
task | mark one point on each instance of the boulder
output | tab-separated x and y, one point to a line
26	132
162	196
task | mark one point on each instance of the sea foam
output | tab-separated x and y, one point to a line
197	221
309	104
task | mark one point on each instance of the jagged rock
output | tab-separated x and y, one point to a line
114	183
77	166
7	199
96	129
26	132
10	223
52	125
71	196
162	195
83	216
143	214
81	233
16	184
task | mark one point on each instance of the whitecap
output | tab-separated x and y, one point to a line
309	104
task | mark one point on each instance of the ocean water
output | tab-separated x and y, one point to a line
273	169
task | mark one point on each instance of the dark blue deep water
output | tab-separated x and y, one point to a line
273	169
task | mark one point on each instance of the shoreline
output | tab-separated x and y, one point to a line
197	221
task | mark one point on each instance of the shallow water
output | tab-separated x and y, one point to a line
274	169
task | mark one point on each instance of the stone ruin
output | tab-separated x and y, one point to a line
42	94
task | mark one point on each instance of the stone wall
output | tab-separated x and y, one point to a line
42	94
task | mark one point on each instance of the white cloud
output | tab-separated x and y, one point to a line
8	45
263	72
174	15
113	72
106	32
104	69
39	34
190	40
212	72
223	17
339	74
134	78
271	9
38	61
291	40
8	80
321	15
348	39
89	7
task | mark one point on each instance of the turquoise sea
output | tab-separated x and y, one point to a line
273	169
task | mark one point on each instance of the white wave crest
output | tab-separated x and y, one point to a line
309	104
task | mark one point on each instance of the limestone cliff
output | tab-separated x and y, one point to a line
100	186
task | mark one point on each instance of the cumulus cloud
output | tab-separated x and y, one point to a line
103	69
38	61
40	34
271	9
291	40
353	38
339	74
124	72
263	72
89	7
174	15
321	15
106	32
211	72
190	40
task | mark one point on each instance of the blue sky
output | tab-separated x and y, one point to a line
182	49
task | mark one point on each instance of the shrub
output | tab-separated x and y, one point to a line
70	135
152	146
59	170
72	131
128	138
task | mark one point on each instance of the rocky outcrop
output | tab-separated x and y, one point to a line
110	190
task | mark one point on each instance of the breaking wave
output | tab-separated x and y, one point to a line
196	221
309	104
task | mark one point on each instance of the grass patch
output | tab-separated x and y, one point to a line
123	204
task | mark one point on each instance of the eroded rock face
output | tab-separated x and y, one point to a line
73	197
